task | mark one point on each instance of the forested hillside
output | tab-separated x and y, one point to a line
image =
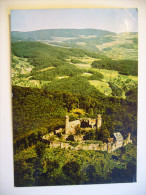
37	112
72	70
50	82
39	108
116	46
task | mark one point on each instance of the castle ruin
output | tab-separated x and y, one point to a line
70	127
113	143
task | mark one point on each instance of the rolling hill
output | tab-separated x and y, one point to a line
48	34
115	46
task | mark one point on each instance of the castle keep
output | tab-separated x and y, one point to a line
70	127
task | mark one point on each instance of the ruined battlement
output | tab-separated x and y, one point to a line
84	145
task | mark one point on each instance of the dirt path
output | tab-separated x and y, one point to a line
42	70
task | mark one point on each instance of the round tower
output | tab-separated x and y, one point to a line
99	121
66	124
129	135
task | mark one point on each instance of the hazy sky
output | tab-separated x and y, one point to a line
115	20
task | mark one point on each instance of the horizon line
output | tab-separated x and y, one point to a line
74	29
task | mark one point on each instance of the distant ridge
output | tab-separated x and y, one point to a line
115	45
46	34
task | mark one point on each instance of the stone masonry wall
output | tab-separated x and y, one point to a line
109	147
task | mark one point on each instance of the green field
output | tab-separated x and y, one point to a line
124	46
103	87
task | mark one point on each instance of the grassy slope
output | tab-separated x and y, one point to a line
124	46
120	46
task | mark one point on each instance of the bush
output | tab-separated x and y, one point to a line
40	149
71	168
70	138
78	129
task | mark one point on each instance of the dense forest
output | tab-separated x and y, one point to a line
126	67
40	54
41	166
37	112
38	108
65	76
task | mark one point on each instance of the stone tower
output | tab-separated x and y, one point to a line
99	121
129	136
66	124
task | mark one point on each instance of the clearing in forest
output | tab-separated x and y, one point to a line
101	86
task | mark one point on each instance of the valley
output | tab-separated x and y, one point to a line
21	75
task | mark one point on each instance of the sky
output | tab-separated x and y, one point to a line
115	20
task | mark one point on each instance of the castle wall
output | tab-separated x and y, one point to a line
78	138
70	129
109	147
92	122
66	146
72	125
54	144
